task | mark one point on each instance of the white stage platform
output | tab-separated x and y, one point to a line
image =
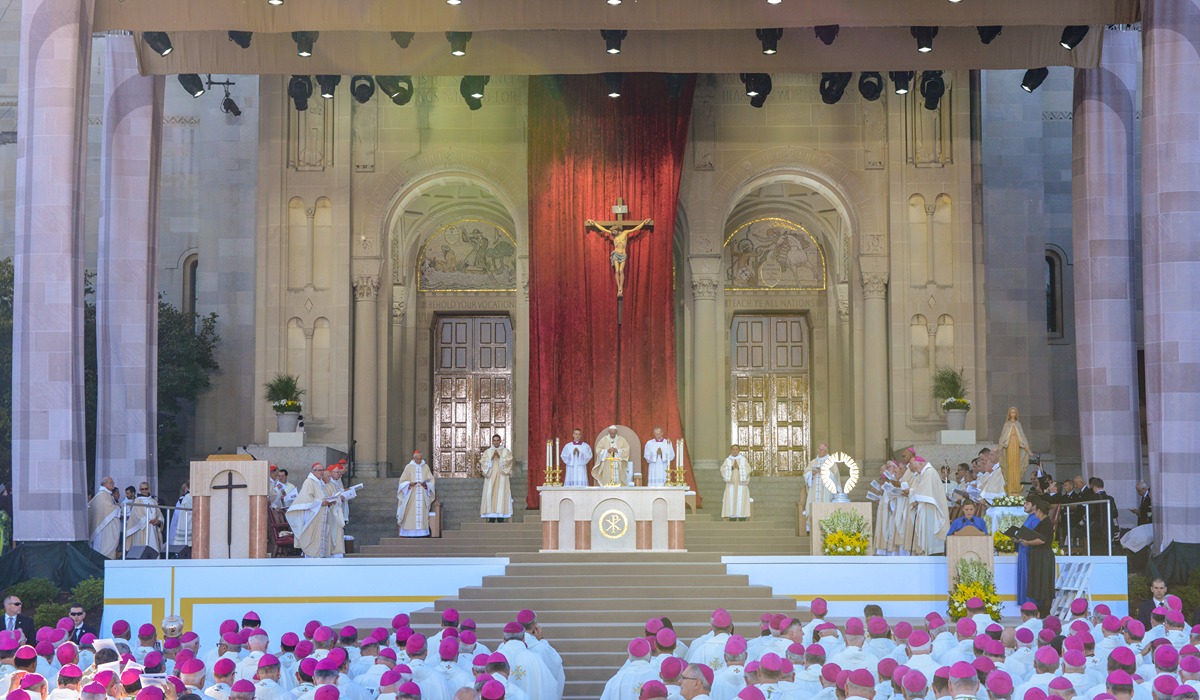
206	592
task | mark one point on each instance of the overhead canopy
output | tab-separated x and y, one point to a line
537	37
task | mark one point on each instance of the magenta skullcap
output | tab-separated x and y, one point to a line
399	621
994	648
796	649
147	630
1111	623
825	626
1024	635
1166	658
1079	606
1119	677
999	683
653	625
480	660
994	629
975	603
130	676
184	655
1037	694
830	672
1175	617
31	679
1074	659
1123	656
842	676
902	631
750	692
231	626
242	686
1165	684
326	664
1046	656
188	637
965	627
178	685
898	675
1105	696
779	622
1060	683
127	659
639	647
231	639
665	638
120	627
819	607
526	617
1046	635
331	692
104	678
815	650
450	633
752	667
934	621
450	615
862	678
267	660
390	677
983	665
650	689
388	653
408	688
721	619
1189	650
854	627
914	682
304	649
258	632
1053	623
962	670
1184	690
887	667
152	659
369	641
1136	628
95	688
918	639
70	671
497	658
467	624
706	671
1189	664
980	641
322	634
171	643
1102	609
1174	602
448	649
44	648
251	616
87	639
150	693
415	643
308	666
42	635
337	655
468	638
26	653
788	666
1029	606
771	662
513	627
403	633
494	690
223	667
877	625
64	623
191	667
671	667
1080	626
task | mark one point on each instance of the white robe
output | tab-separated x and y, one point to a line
930	519
658	455
138	530
736	473
318	528
104	517
179	531
626	683
817	493
268	689
576	456
728	682
550	657
418	487
991	484
710	651
496	463
602	471
528	671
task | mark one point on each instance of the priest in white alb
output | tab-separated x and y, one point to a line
992	484
316	517
817	493
179	529
928	509
414	497
144	526
735	470
659	453
496	463
104	517
576	455
612	451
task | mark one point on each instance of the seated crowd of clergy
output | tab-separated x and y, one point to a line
1091	655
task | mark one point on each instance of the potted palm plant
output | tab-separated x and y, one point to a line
950	391
283	393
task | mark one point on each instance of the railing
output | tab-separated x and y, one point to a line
1068	509
170	510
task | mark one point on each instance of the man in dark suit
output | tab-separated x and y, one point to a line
14	620
77	616
1102	518
1144	513
1158	599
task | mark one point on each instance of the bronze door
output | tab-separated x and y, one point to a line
472	390
770	392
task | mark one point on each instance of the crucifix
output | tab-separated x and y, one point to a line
228	489
619	232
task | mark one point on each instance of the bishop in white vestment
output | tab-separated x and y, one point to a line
817	493
496	463
414	496
144	523
576	455
104	517
316	517
735	470
928	509
659	454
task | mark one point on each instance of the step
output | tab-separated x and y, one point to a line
623	593
705	605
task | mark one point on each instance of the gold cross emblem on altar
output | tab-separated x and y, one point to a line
613	524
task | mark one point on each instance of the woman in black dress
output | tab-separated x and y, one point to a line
1039	586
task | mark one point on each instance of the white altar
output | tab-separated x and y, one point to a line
612	519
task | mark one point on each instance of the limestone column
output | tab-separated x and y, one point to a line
707	433
875	376
49	478
1103	242
126	283
366	379
1171	261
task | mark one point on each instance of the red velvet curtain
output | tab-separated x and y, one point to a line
585	150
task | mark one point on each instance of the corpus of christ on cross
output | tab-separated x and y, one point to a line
619	232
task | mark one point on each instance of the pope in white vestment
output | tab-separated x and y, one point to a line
611	446
104	517
928	510
145	519
316	517
659	454
414	496
817	493
576	455
496	463
735	470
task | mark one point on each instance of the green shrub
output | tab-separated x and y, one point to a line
89	593
33	592
48	614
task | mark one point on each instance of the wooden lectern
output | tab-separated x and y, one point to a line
229	508
969	543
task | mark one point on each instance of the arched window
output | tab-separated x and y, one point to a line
1054	294
191	297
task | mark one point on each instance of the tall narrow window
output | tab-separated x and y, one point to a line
191	296
1054	295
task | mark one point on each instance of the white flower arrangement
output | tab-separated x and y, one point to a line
956	403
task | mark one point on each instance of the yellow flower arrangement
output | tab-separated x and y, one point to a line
1002	543
973	581
843	543
845	534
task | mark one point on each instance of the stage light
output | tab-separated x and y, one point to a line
774	2
242	39
275	3
453	2
300	89
870	85
932	88
770	40
471	88
1034	77
228	106
612	81
758	88
1072	35
398	87
613	39
827	33
901	80
304	42
833	86
159	42
328	83
192	83
458	42
402	39
924	37
675	83
988	34
614	2
362	88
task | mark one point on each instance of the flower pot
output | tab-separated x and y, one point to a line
288	422
956	419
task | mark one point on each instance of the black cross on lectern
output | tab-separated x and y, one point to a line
228	489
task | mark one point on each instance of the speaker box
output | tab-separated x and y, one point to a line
142	552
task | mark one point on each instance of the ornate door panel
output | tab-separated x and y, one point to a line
472	396
770	392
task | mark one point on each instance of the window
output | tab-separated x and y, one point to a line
191	296
1054	295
